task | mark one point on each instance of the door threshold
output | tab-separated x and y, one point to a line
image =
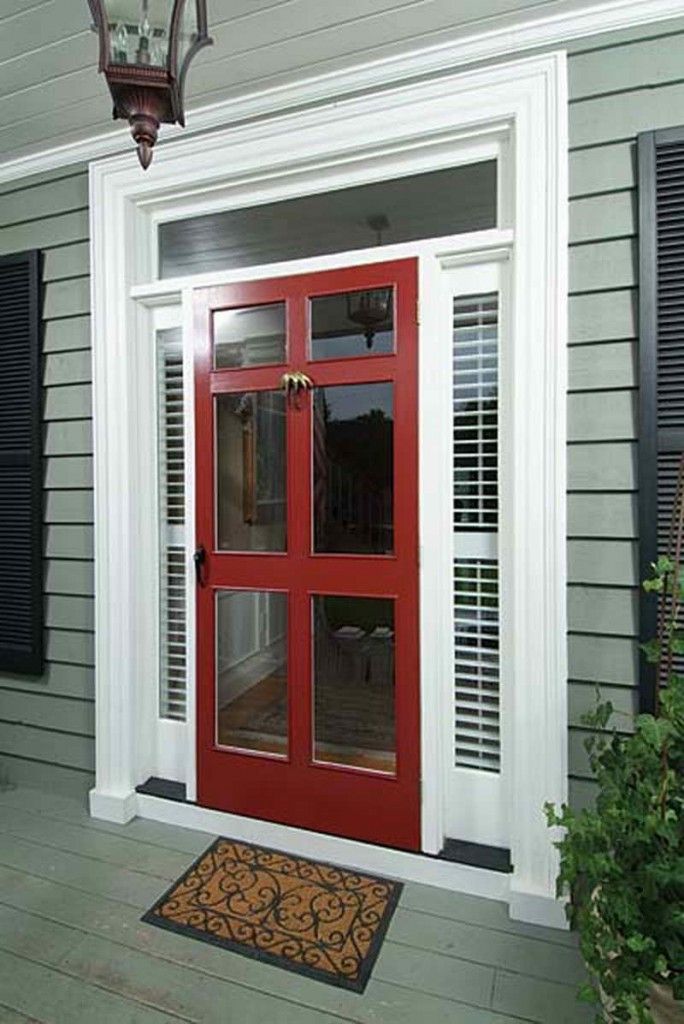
494	858
164	788
469	856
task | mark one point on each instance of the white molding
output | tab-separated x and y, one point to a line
543	910
450	250
425	126
190	542
117	808
408	867
508	35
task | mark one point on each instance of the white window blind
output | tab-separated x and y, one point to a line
475	521
173	637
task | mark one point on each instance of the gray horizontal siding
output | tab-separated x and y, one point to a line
619	86
47	724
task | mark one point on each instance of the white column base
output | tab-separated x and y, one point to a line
533	908
119	808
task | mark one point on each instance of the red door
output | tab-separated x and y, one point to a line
307	523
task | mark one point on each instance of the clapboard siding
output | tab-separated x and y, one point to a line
72	334
53	198
608	467
602	316
619	85
601	658
603	561
597	514
611	170
610	215
597	367
47	724
602	416
70	367
69	506
582	698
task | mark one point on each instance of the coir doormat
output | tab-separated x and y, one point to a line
310	917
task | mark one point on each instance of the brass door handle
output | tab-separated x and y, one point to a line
294	382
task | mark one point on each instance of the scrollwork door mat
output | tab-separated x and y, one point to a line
307	916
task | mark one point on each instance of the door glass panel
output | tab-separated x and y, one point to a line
250	336
357	323
251	671
354	716
353	469
250	471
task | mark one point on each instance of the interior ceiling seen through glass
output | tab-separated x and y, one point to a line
429	205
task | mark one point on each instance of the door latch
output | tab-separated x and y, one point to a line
199	558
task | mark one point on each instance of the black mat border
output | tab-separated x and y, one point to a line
337	981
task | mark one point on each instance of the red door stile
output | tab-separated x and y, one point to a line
296	790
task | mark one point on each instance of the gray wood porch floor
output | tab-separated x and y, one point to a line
72	948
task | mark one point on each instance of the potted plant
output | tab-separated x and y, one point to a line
622	861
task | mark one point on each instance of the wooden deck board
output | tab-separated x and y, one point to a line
440	903
412	928
71	896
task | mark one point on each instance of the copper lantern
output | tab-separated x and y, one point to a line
145	49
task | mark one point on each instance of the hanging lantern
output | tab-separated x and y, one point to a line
145	49
370	310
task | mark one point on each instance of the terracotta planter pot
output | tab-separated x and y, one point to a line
664	1009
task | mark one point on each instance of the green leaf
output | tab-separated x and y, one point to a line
587	993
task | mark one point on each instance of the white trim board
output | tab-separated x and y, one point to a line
408	867
507	35
405	130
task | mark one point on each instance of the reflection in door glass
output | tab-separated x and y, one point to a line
251	670
249	337
250	471
353	469
353	324
354	717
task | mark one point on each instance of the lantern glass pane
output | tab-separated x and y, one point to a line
187	33
139	31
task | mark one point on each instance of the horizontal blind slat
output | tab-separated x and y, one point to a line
476	733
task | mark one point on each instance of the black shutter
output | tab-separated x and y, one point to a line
661	358
21	556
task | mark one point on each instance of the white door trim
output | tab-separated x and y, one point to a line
436	258
404	130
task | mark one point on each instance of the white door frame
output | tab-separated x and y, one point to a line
420	127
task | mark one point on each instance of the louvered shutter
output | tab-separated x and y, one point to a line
475	330
661	357
173	659
21	512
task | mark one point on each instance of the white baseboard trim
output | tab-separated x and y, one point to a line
407	867
117	808
535	909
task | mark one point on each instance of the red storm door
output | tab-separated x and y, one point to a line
307	551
